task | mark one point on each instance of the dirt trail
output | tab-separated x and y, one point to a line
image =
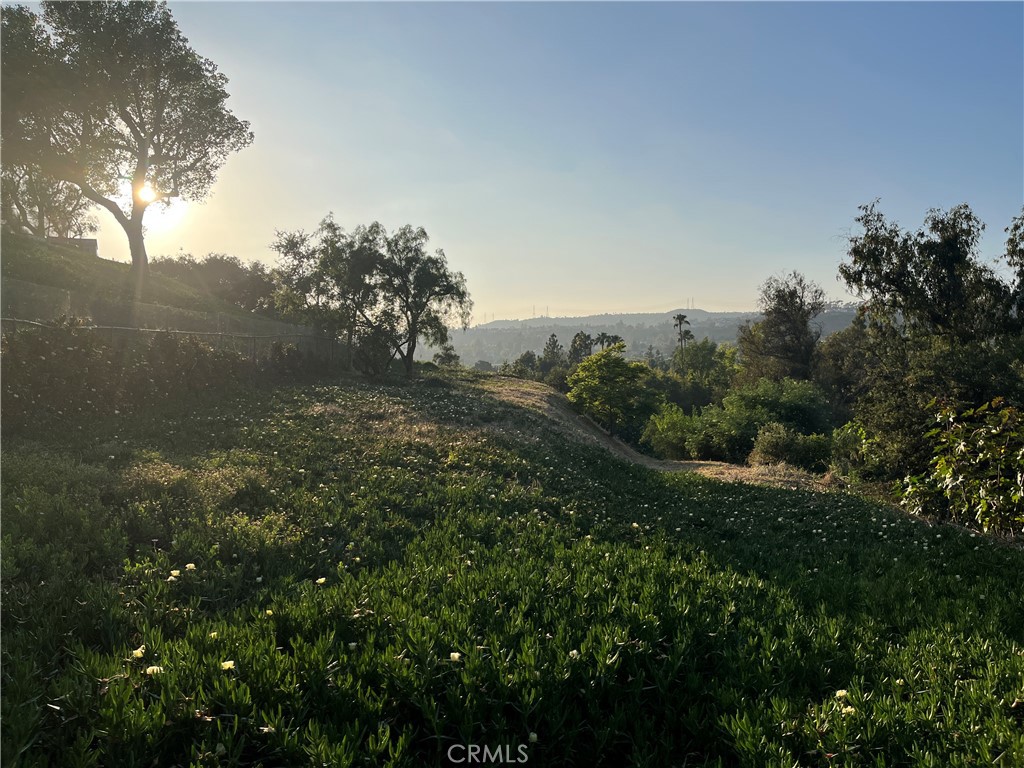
542	399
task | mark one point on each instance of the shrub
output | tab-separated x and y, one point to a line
977	471
727	432
776	443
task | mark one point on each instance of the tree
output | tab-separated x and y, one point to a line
938	324
248	286
679	321
37	204
447	357
122	96
330	279
580	348
609	388
385	291
553	356
417	295
782	345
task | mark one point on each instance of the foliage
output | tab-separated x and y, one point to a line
384	291
708	366
447	357
41	206
782	345
938	323
580	348
776	443
727	432
609	389
367	574
121	95
71	374
977	472
227	278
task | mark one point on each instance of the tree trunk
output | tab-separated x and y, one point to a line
407	359
139	274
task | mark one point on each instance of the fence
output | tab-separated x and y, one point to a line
255	346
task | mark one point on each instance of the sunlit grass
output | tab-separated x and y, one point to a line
368	574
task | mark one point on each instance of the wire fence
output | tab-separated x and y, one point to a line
253	345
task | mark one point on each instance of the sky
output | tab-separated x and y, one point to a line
583	158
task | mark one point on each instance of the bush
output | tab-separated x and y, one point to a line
776	443
727	432
976	473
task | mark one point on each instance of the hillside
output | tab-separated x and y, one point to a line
504	340
42	281
355	573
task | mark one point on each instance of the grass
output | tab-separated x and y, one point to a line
384	571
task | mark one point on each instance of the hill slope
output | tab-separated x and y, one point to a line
356	573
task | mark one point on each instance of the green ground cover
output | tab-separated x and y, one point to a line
359	574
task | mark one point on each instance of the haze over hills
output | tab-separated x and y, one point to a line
504	340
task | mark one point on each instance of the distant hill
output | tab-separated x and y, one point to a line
502	340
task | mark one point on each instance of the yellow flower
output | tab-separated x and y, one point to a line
225	665
171	578
456	656
175	573
848	710
321	580
139	652
213	635
190	566
154	670
841	693
269	612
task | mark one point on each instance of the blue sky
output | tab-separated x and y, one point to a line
611	157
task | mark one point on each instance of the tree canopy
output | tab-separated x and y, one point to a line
383	290
105	94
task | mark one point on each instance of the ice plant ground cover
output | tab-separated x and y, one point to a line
359	574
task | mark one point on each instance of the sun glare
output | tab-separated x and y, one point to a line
147	194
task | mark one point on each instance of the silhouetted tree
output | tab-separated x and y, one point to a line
581	347
112	91
679	321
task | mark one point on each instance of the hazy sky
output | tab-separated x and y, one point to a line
582	158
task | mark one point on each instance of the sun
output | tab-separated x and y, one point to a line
147	194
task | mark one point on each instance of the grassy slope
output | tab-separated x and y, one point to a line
624	616
34	261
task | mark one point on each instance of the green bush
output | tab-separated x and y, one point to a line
776	443
727	432
977	472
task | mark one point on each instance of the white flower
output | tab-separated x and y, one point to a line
351	646
175	573
259	579
139	652
841	693
533	737
574	654
190	566
213	635
321	580
154	670
456	656
225	665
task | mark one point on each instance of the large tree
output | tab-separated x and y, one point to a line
938	323
384	290
782	344
106	93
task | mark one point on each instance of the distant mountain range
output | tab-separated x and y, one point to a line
501	340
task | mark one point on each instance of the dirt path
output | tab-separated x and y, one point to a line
542	399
